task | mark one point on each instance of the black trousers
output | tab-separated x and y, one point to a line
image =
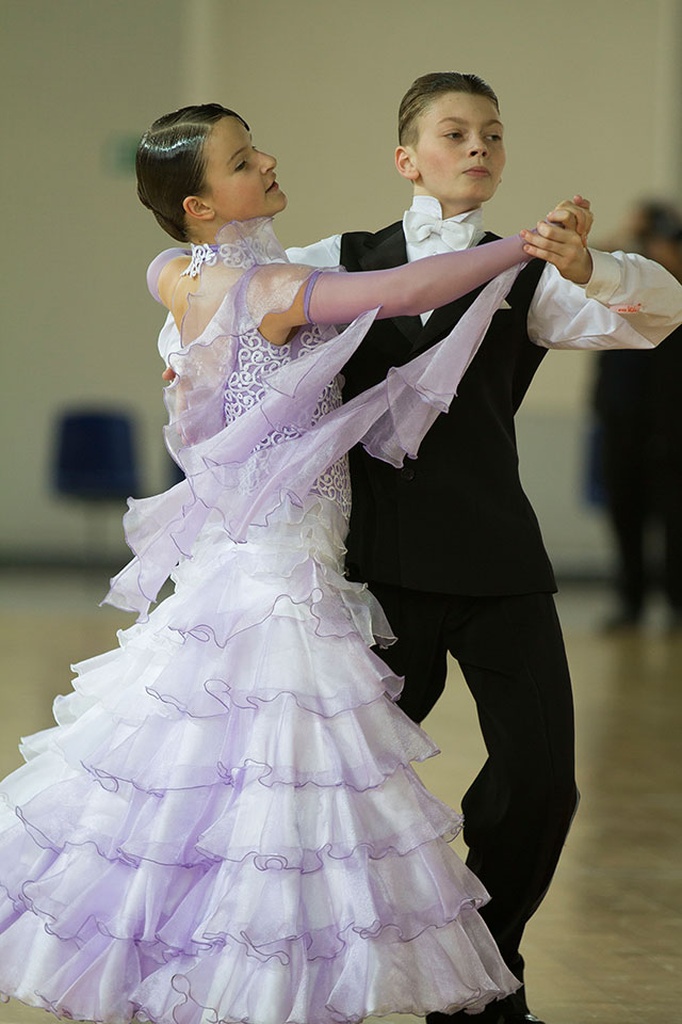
519	808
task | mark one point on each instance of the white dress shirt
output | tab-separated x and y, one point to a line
629	301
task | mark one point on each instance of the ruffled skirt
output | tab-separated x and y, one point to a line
225	826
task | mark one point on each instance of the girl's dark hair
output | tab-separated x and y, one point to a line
170	162
426	89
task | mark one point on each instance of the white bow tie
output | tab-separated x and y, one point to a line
418	226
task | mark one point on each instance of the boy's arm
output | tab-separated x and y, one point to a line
628	302
325	253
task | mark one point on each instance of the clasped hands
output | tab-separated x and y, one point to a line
561	239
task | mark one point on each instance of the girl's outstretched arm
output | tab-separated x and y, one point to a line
413	287
328	297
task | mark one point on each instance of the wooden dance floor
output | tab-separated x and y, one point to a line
606	945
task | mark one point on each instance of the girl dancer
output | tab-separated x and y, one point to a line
224	824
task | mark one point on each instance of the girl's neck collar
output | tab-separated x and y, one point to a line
202	253
238	244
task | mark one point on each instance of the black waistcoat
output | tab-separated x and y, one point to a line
456	519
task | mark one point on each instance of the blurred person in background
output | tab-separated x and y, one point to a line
638	403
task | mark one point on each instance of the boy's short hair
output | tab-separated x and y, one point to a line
423	92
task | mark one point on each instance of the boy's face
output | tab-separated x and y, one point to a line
459	155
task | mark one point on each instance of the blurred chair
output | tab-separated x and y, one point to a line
96	462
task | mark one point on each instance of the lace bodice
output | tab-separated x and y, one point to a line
244	246
244	388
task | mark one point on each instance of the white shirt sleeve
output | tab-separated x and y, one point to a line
169	339
325	253
629	302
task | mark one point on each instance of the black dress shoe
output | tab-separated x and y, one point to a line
501	1014
519	1018
514	1010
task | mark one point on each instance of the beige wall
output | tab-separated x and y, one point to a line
78	78
590	95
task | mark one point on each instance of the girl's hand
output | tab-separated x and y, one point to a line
168	374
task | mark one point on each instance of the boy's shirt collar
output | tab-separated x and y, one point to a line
429	206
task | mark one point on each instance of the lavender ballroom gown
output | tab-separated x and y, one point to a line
224	825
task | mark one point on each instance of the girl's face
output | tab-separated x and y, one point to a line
239	181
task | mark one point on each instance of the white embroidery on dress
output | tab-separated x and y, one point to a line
201	254
245	245
246	387
248	252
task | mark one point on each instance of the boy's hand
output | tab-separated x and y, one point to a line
574	214
562	247
561	239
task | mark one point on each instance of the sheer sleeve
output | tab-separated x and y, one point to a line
156	266
273	289
412	288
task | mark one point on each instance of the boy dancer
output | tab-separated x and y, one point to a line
450	544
